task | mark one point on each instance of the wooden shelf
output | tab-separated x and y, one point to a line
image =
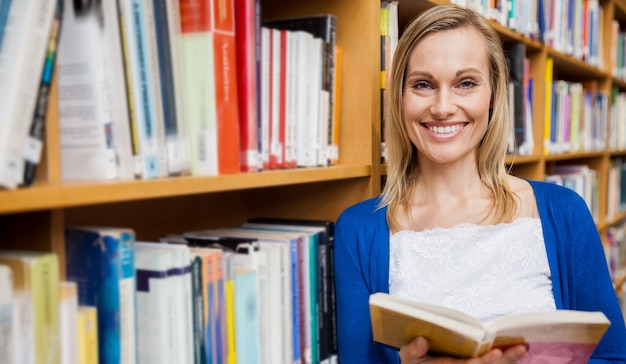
71	194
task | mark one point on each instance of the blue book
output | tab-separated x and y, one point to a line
246	316
101	261
168	90
5	5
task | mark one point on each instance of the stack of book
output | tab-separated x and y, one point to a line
258	293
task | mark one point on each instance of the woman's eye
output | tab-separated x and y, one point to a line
421	85
467	84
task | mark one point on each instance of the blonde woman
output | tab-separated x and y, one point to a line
452	227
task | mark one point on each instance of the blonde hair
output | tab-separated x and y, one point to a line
402	154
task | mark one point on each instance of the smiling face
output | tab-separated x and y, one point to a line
447	95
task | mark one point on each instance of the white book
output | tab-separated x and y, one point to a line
141	88
307	102
180	274
115	84
155	305
68	321
266	92
21	60
276	69
179	149
86	119
6	315
291	120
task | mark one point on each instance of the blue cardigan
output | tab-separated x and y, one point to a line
580	277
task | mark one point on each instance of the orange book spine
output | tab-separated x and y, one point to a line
226	86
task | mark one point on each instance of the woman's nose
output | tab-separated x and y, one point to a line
443	104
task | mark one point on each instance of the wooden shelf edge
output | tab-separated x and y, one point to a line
71	194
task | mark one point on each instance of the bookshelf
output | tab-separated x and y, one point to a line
566	67
34	218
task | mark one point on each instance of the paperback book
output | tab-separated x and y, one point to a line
562	336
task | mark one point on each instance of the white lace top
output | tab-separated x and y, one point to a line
485	271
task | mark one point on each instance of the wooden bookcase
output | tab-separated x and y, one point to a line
35	217
538	164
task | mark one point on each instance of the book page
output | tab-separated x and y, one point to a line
556	337
396	321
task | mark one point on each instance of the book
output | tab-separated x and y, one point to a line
5	5
34	142
25	41
88	106
515	54
322	26
552	336
274	275
68	321
327	325
6	315
35	286
87	334
142	93
156	311
246	30
101	261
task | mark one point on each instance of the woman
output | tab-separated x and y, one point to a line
451	226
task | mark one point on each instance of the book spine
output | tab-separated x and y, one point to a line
168	87
45	289
154	306
22	55
133	115
199	348
87	335
225	78
265	95
143	90
5	5
295	291
246	53
34	141
199	85
276	70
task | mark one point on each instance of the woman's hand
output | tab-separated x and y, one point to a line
416	351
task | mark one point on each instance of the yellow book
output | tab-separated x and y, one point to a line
87	328
547	120
36	279
229	293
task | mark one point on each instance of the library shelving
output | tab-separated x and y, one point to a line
34	217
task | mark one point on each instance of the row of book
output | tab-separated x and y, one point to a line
616	188
615	250
41	320
573	27
580	178
262	292
151	89
576	115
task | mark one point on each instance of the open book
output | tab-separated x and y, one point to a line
552	335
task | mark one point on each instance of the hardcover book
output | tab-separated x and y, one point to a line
562	336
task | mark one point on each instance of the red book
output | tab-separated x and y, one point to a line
245	41
227	107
